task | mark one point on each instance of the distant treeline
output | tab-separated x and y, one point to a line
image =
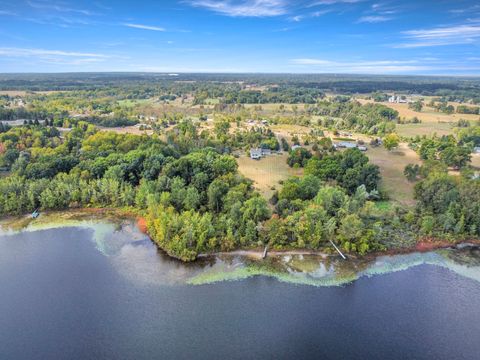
142	85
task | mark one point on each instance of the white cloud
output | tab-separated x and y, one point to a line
314	14
7	13
57	7
441	36
374	19
53	56
145	27
244	8
42	52
333	2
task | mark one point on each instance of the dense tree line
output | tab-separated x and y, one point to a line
447	149
374	119
448	206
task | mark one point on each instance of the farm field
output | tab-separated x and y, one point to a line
267	172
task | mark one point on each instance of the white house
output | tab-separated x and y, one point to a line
346	145
396	100
255	153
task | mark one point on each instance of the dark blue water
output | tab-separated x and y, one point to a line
63	299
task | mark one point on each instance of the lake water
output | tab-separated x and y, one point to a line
95	290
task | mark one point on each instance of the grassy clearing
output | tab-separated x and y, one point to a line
287	131
267	172
135	130
427	128
392	164
129	103
275	106
212	101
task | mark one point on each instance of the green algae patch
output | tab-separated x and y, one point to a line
318	271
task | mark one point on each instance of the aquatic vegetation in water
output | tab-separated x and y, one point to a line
134	256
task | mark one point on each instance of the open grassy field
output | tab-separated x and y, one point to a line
267	172
425	128
392	164
129	103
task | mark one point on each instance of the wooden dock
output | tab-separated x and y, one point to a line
35	214
338	250
265	252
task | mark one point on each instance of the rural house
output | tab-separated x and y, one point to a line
255	153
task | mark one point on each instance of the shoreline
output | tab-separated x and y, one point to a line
424	245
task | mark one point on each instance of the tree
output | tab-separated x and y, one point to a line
391	141
456	156
298	156
255	209
216	192
411	172
416	106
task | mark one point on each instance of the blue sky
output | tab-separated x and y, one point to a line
304	36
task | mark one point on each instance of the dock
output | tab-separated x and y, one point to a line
338	250
265	252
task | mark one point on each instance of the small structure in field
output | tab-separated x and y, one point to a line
362	148
255	153
295	147
345	144
266	152
396	100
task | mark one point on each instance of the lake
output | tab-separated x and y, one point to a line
93	289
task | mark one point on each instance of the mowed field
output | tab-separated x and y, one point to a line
392	164
267	172
425	128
